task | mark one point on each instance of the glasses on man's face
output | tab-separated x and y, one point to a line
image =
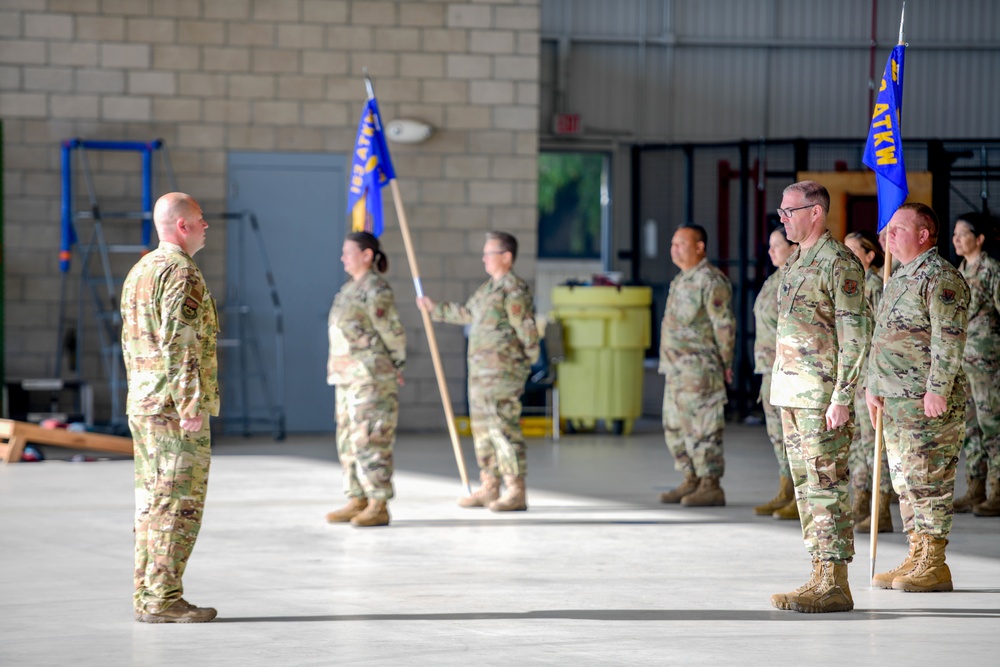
487	253
787	212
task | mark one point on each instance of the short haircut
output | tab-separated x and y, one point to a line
698	230
812	192
507	242
869	243
926	217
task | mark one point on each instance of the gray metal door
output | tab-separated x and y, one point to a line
299	200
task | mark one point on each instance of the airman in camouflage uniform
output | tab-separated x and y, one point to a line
822	338
915	375
503	344
697	339
367	355
860	460
169	330
765	312
982	366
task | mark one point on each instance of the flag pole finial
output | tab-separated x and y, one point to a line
371	89
902	17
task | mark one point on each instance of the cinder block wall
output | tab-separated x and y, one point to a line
209	76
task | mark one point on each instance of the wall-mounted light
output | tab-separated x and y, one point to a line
407	131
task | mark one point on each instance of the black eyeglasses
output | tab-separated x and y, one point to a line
787	212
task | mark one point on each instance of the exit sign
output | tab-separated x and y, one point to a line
567	123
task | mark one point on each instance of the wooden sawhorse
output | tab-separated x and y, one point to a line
14	435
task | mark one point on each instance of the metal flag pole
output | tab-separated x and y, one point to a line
428	326
879	442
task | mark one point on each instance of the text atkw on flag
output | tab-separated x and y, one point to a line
371	170
884	150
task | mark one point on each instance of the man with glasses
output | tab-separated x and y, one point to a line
503	344
822	339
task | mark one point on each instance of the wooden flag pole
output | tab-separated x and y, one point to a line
428	326
879	444
431	339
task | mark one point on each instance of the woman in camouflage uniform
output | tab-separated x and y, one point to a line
866	247
765	312
982	364
367	354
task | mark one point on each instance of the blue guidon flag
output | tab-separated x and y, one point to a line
370	172
884	150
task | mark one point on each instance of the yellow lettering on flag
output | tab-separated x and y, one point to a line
895	70
886	122
879	109
887	155
883	137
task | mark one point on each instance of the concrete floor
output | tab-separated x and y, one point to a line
596	573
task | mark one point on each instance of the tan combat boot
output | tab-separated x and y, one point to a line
789	512
975	495
884	516
179	612
489	490
830	593
991	506
862	505
689	485
376	514
709	494
930	573
786	494
885	579
514	498
355	505
780	600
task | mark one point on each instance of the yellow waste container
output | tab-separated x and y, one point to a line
607	331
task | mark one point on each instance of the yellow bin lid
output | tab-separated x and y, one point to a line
617	297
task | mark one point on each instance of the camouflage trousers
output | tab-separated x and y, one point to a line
367	413
495	413
772	418
862	455
923	458
982	424
692	427
818	461
171	478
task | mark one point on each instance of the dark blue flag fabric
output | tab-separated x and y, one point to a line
370	172
884	150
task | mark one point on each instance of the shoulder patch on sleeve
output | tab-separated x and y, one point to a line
947	296
849	287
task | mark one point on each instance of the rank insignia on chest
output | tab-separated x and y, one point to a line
850	287
948	297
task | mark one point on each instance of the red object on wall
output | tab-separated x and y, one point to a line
566	123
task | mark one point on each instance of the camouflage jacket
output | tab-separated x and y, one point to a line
765	315
982	346
367	340
920	330
823	327
698	332
169	331
503	338
873	297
